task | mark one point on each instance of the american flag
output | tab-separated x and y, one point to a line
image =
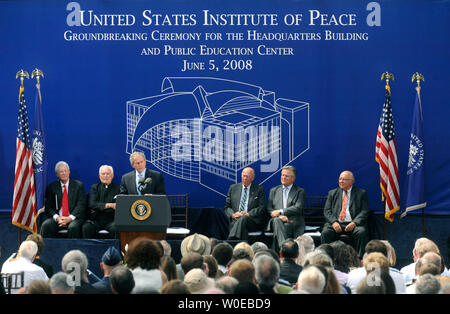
24	200
386	156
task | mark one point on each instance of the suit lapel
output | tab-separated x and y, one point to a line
132	183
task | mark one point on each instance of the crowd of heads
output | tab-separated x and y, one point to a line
208	266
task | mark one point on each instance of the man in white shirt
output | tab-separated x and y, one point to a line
24	262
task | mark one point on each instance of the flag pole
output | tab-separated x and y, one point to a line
417	77
385	76
22	74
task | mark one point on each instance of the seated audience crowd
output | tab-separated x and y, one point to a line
216	267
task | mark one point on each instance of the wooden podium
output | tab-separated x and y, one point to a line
142	216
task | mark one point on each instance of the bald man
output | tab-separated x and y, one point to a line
245	206
347	212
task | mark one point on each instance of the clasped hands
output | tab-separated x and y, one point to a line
237	215
63	221
277	213
337	227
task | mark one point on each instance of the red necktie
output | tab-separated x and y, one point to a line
344	206
65	203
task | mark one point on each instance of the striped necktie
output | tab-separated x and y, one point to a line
243	200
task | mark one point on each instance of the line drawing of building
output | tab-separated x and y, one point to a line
206	130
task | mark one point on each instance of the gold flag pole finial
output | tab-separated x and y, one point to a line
36	72
387	76
22	74
417	77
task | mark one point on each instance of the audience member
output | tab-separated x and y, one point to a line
24	262
341	261
102	205
377	269
75	264
197	281
211	263
242	270
245	206
60	283
122	280
347	211
144	258
257	246
312	279
222	252
427	284
36	237
333	286
285	207
246	287
355	261
305	245
65	204
356	275
289	269
169	267
141	180
38	287
421	246
267	274
166	247
175	286
190	261
445	289
227	284
197	243
110	260
245	246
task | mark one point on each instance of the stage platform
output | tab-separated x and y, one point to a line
212	222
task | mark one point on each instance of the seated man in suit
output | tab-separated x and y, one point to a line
65	204
285	207
102	204
347	211
142	180
245	206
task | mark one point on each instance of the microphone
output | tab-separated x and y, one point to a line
142	184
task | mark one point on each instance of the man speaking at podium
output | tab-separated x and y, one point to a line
141	181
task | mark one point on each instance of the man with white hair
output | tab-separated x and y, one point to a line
24	262
102	204
312	280
65	204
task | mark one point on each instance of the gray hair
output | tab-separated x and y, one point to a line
290	168
135	154
318	257
59	164
59	283
311	280
72	258
427	284
28	250
267	270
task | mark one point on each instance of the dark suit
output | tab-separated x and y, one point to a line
53	203
289	271
101	217
239	228
359	212
294	212
156	186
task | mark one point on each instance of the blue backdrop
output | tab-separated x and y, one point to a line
116	80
